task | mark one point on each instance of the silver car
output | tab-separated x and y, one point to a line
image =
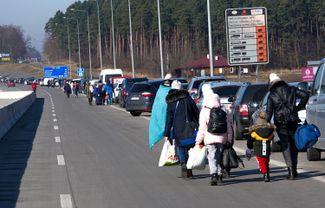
315	111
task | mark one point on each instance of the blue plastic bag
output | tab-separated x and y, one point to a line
306	136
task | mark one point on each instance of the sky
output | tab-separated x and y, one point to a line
31	15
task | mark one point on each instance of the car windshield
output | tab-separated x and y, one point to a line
226	91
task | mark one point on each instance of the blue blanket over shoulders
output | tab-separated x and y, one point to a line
158	116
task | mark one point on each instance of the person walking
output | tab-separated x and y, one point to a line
260	142
282	105
214	140
182	120
34	86
67	89
89	92
108	93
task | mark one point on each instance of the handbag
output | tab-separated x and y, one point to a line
197	158
230	159
306	136
168	155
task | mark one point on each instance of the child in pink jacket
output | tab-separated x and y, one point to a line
214	142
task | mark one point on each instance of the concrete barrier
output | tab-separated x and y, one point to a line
13	111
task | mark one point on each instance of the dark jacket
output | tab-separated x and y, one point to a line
282	103
186	111
260	139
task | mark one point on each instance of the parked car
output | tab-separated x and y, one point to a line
245	103
196	81
116	82
11	83
315	111
224	89
141	97
125	88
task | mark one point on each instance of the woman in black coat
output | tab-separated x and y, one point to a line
282	104
182	120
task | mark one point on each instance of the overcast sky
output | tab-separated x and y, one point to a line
31	15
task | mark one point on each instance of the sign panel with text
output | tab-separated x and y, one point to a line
56	72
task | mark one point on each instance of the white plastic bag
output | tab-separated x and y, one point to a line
197	158
168	155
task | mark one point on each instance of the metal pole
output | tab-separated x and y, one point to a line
160	42
210	39
113	35
69	48
100	38
257	73
131	39
90	69
79	43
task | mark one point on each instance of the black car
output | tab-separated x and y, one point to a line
141	97
245	103
125	88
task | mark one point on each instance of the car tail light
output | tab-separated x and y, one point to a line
147	94
243	110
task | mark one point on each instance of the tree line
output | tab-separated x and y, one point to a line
296	31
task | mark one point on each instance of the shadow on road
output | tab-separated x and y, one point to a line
15	149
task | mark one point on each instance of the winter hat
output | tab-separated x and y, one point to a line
261	118
168	76
273	77
206	90
177	85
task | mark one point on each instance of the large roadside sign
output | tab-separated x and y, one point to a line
56	72
81	72
247	36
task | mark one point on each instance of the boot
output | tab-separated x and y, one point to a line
219	180
189	173
183	171
290	175
294	171
266	177
214	179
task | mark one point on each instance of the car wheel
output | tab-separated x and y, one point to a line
135	113
313	154
275	147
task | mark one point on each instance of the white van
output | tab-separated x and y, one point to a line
107	74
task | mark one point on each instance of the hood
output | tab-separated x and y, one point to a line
212	101
277	84
176	95
263	130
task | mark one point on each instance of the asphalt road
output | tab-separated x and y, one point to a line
65	153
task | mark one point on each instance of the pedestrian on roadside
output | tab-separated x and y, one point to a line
259	142
77	88
182	121
34	86
282	105
108	93
89	92
215	142
159	112
67	89
98	93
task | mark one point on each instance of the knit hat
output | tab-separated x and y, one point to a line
273	77
177	85
261	118
168	76
206	90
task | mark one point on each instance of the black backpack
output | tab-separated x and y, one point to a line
218	121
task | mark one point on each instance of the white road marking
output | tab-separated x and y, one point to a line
53	111
53	114
117	108
57	139
53	107
60	159
55	120
56	127
66	201
145	118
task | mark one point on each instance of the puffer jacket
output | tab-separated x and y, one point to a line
180	108
260	140
203	134
281	96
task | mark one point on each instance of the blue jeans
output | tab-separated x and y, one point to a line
183	153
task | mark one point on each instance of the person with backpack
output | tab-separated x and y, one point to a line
215	131
181	123
282	105
261	135
108	89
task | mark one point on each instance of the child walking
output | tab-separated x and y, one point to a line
261	136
